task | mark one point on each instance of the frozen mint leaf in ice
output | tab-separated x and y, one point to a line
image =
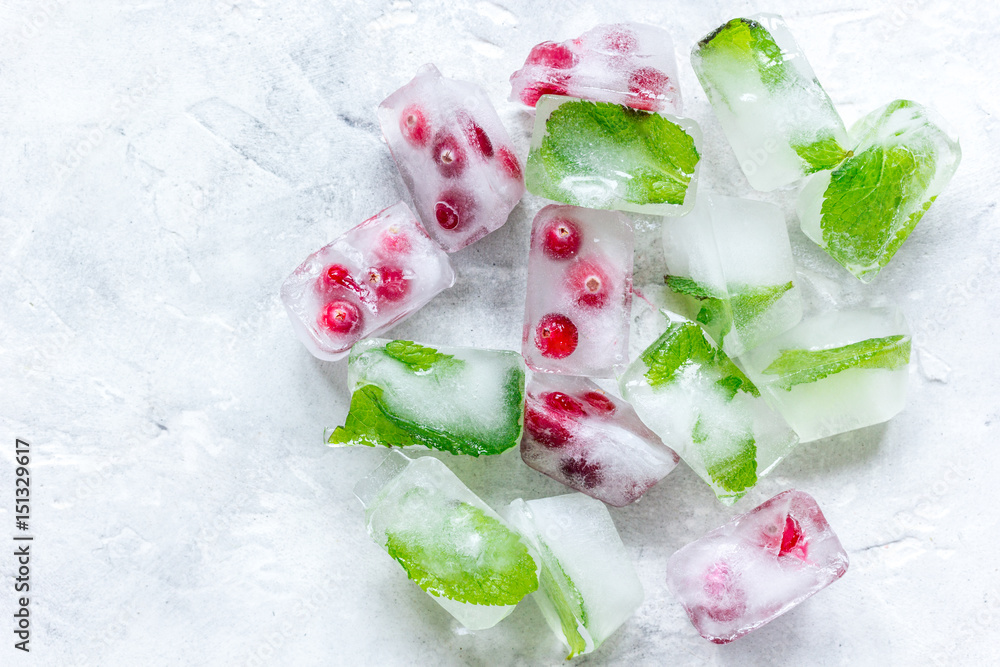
680	344
566	599
819	154
417	357
692	288
746	40
796	367
732	466
749	303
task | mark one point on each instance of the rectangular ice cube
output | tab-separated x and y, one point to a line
861	212
732	260
455	399
455	157
835	372
579	292
449	542
622	63
778	119
588	586
756	567
703	407
364	282
608	156
590	441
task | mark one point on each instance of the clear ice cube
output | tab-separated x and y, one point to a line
455	157
778	119
622	63
836	372
364	282
579	292
700	403
756	567
456	399
449	542
903	157
732	261
588	586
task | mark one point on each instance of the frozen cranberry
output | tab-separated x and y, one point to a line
414	126
448	156
620	40
393	243
557	86
564	403
589	284
728	600
600	402
340	317
453	209
509	163
561	238
552	55
793	542
478	138
647	85
336	277
582	472
546	429
556	336
389	283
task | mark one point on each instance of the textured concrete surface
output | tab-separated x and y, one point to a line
165	165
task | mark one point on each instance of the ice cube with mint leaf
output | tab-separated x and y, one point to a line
731	261
835	372
608	156
447	540
588	586
454	399
777	117
863	210
691	394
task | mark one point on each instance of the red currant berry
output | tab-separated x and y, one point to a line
582	472
340	317
552	55
478	138
414	126
393	243
561	238
449	156
600	402
792	540
509	163
389	283
453	209
545	429
647	85
564	403
589	284
556	336
620	40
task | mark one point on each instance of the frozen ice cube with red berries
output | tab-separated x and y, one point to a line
591	441
625	63
367	280
756	567
579	292
455	157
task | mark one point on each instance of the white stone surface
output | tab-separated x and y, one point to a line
165	165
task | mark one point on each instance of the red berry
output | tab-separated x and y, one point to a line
564	403
393	242
557	86
389	283
647	84
728	601
414	126
340	317
561	239
582	472
792	540
334	278
545	429
556	336
589	284
551	55
448	156
509	162
620	39
478	138
453	209
600	402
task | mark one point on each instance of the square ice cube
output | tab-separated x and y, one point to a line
621	63
778	119
703	407
590	441
608	156
449	542
363	283
455	399
579	292
732	260
588	586
756	567
455	157
903	157
835	372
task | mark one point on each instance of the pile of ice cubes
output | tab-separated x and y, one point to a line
733	379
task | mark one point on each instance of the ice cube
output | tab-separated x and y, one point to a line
756	567
778	119
590	441
608	156
588	586
701	404
364	282
861	212
449	542
622	63
455	399
732	260
455	157
579	292
835	372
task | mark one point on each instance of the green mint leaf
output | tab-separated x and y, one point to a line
796	367
418	357
369	423
680	344
737	472
648	158
822	153
733	378
567	600
747	42
749	303
713	313
465	555
692	288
